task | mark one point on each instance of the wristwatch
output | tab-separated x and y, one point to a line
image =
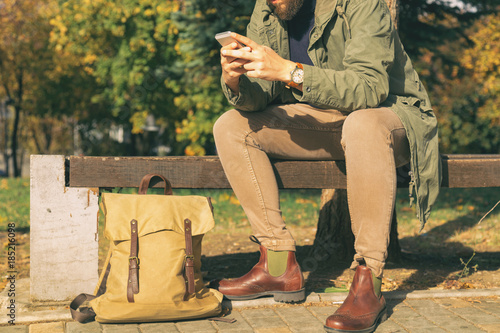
297	76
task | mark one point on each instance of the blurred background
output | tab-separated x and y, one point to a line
142	77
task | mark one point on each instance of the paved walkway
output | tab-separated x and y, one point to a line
417	311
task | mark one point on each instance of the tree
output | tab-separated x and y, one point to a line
461	78
130	53
437	36
23	45
46	90
151	57
202	99
483	65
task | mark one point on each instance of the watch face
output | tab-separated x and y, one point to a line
298	76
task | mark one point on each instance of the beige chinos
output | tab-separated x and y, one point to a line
372	142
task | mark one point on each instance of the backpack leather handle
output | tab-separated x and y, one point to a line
143	187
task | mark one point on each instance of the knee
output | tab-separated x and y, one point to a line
229	124
223	125
366	125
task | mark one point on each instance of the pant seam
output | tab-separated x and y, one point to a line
307	128
388	222
257	185
387	227
391	208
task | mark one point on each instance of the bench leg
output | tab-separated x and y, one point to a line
63	233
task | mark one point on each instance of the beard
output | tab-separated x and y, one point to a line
287	9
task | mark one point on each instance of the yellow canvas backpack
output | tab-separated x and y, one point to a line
153	268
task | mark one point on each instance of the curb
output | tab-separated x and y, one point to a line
45	312
388	295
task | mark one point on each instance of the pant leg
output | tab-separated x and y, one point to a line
246	140
375	144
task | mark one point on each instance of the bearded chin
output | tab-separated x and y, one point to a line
288	10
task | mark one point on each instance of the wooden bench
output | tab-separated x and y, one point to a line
65	193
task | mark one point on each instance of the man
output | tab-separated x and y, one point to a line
325	80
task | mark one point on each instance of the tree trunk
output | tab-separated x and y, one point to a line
17	114
13	143
334	237
5	121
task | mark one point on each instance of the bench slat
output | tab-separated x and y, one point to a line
194	172
471	171
206	172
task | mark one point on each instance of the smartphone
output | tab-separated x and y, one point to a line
224	38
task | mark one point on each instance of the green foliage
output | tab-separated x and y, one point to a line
42	90
203	100
129	52
153	57
447	51
94	64
484	65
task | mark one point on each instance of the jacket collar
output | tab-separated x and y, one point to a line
325	9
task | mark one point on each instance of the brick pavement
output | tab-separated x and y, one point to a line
406	314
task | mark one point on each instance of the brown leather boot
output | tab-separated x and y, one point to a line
288	287
362	310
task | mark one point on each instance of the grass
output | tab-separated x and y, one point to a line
454	216
453	225
14	203
299	207
454	219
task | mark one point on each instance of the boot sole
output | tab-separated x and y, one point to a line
380	319
279	296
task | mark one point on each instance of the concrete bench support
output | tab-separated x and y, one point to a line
63	233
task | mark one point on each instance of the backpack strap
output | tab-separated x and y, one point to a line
133	263
189	262
85	314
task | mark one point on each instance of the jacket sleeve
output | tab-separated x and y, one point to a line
254	94
369	54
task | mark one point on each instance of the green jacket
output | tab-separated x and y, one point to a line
359	62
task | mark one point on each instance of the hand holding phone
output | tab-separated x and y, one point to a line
224	38
232	67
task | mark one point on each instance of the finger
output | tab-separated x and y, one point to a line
231	46
239	66
236	65
245	40
239	62
236	72
240	54
244	49
232	61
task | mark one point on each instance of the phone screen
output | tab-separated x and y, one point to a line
225	38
